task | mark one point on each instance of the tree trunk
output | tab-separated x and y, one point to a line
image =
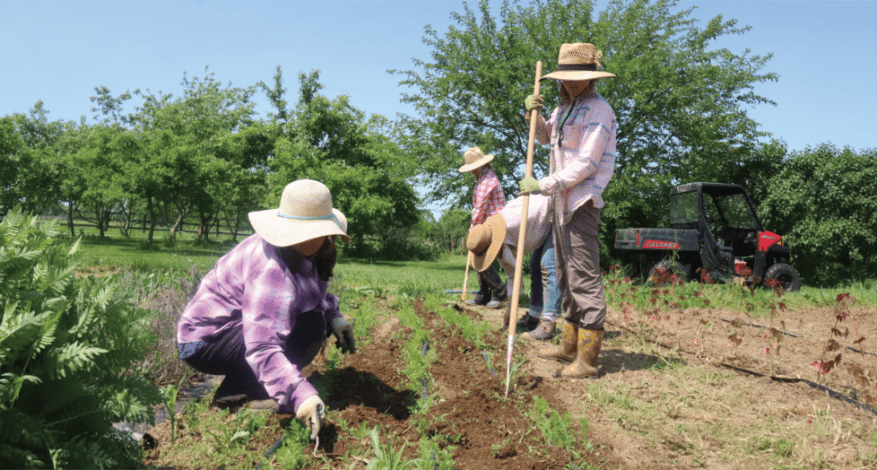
237	224
206	221
177	224
106	220
70	220
182	212
98	216
150	211
125	222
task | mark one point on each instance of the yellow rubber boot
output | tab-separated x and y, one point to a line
585	364
565	352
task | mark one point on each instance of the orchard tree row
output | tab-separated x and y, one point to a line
206	154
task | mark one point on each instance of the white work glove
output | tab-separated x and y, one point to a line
343	332
311	413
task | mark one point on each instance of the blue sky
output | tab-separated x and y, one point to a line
58	51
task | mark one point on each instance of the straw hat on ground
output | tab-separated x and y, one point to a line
578	61
305	213
485	241
474	158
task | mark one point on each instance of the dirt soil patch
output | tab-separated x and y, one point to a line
671	393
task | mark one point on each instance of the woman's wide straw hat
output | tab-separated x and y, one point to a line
474	158
485	240
578	61
305	213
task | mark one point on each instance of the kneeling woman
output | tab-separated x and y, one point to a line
262	313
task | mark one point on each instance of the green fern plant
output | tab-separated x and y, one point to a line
65	347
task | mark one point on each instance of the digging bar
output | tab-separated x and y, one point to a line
522	236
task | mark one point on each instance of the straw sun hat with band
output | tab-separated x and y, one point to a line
578	61
305	213
474	158
485	241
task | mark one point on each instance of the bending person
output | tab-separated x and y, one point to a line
498	239
262	313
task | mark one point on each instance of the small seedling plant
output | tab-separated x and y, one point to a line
169	392
386	456
774	336
863	374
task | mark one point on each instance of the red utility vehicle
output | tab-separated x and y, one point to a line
712	226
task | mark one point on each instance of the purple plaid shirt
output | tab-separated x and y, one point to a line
253	287
584	161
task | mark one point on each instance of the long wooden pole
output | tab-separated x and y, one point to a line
522	236
466	277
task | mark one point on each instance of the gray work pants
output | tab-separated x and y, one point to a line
577	253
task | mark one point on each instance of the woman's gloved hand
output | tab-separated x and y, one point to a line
532	102
529	185
343	332
312	412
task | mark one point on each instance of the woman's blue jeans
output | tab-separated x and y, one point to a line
545	297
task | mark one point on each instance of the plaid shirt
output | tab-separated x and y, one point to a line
488	197
582	163
253	287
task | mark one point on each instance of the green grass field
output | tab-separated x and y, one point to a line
410	277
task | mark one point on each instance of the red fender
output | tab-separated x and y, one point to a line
768	239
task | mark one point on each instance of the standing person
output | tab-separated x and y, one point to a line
262	313
497	239
581	133
487	200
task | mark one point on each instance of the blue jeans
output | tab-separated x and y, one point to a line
545	297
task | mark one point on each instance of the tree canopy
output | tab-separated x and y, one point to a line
823	201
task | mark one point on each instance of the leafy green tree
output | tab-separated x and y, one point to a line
367	172
276	95
71	173
110	194
100	163
11	144
449	231
240	182
33	160
823	201
112	107
681	106
186	141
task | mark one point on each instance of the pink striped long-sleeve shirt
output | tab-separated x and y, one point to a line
253	287
583	161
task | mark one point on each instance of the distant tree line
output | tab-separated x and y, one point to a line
205	155
682	109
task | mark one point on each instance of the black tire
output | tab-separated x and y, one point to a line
785	274
671	266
